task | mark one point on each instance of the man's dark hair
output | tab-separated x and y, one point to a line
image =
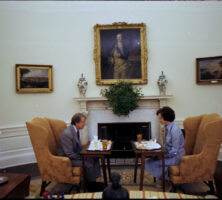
167	113
77	118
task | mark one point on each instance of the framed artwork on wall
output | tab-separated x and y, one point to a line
33	78
209	70
120	53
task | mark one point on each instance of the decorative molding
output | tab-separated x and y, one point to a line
151	97
15	130
15	146
17	157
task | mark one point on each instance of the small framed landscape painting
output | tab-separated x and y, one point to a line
33	78
209	70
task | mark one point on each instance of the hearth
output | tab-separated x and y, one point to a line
122	134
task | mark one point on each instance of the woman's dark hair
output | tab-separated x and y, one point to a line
77	118
167	113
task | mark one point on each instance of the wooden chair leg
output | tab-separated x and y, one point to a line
211	185
181	188
78	189
44	184
70	190
174	187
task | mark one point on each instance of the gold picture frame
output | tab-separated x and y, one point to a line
120	53
33	78
209	70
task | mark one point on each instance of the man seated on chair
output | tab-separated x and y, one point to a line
70	146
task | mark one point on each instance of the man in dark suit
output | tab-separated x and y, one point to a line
70	146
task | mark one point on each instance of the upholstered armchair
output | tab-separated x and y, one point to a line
45	137
202	144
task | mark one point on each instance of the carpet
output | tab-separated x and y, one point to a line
127	177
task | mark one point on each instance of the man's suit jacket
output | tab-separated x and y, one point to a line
70	145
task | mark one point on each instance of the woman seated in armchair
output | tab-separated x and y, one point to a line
174	144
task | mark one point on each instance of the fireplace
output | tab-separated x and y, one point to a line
122	134
100	119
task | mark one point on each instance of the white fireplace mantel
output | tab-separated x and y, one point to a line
143	98
97	109
85	101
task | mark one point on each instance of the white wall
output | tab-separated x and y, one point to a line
61	34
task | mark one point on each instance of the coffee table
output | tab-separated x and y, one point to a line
16	187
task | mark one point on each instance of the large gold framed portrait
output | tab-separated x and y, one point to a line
33	78
120	53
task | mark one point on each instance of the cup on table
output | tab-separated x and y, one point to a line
105	143
95	143
139	138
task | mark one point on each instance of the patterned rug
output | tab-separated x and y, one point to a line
127	177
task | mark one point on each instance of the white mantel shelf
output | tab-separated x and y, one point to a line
151	97
88	103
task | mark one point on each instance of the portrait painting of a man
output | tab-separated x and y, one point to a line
120	51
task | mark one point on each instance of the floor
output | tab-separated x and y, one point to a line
126	172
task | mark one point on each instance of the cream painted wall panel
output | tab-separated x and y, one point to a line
61	34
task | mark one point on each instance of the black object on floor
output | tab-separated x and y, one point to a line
116	191
95	186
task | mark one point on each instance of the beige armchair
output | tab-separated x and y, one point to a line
202	144
45	137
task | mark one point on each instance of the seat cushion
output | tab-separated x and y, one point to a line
76	171
174	170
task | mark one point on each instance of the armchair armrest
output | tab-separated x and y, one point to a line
191	164
57	168
61	165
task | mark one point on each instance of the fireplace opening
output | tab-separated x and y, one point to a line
122	134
